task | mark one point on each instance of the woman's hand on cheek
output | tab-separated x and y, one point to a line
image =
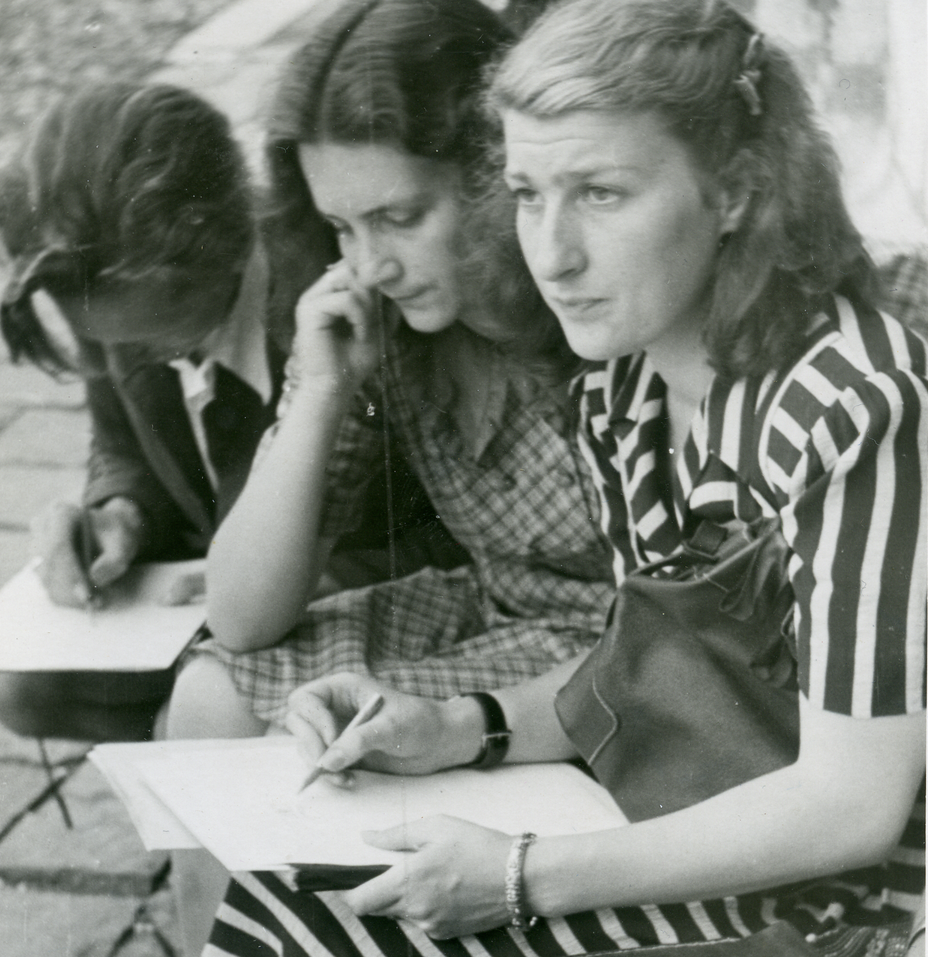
337	338
450	883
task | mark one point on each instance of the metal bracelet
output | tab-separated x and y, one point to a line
515	896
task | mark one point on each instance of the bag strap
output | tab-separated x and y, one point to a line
706	541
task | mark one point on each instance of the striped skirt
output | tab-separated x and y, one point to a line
261	916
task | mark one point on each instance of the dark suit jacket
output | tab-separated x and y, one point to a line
143	446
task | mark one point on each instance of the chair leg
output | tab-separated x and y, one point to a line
55	781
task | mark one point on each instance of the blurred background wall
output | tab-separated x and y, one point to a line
866	62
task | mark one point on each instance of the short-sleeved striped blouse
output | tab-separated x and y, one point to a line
837	446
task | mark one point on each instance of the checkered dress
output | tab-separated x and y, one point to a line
523	506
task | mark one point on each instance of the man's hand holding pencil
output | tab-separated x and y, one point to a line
83	551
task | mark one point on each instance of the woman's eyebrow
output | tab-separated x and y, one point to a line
418	201
605	168
384	208
515	175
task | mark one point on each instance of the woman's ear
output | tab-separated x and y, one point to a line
737	186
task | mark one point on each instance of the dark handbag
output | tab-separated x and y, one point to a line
692	689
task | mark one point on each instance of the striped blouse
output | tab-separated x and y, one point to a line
837	446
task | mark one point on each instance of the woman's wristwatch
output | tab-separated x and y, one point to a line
495	738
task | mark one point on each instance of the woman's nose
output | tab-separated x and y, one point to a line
557	249
376	264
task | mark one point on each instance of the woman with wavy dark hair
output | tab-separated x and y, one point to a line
375	150
745	407
426	328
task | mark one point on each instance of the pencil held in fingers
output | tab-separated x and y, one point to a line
55	539
370	708
87	591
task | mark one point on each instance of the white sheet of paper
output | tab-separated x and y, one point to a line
243	804
134	631
157	825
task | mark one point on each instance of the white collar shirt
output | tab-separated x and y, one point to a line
239	345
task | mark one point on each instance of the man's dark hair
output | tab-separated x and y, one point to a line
117	183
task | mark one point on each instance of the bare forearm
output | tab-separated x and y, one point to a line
537	734
761	837
267	555
813	818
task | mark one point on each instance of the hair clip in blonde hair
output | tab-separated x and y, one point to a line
749	77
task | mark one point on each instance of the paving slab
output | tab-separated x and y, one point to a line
28	489
239	27
101	853
8	414
19	785
52	437
16	749
65	925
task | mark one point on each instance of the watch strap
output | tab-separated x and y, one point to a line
495	738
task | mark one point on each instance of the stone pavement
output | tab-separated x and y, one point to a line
75	880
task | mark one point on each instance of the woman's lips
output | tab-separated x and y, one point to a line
409	298
575	305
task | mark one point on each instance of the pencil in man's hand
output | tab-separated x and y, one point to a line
87	557
366	712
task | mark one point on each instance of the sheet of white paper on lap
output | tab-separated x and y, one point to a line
245	805
136	630
157	826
